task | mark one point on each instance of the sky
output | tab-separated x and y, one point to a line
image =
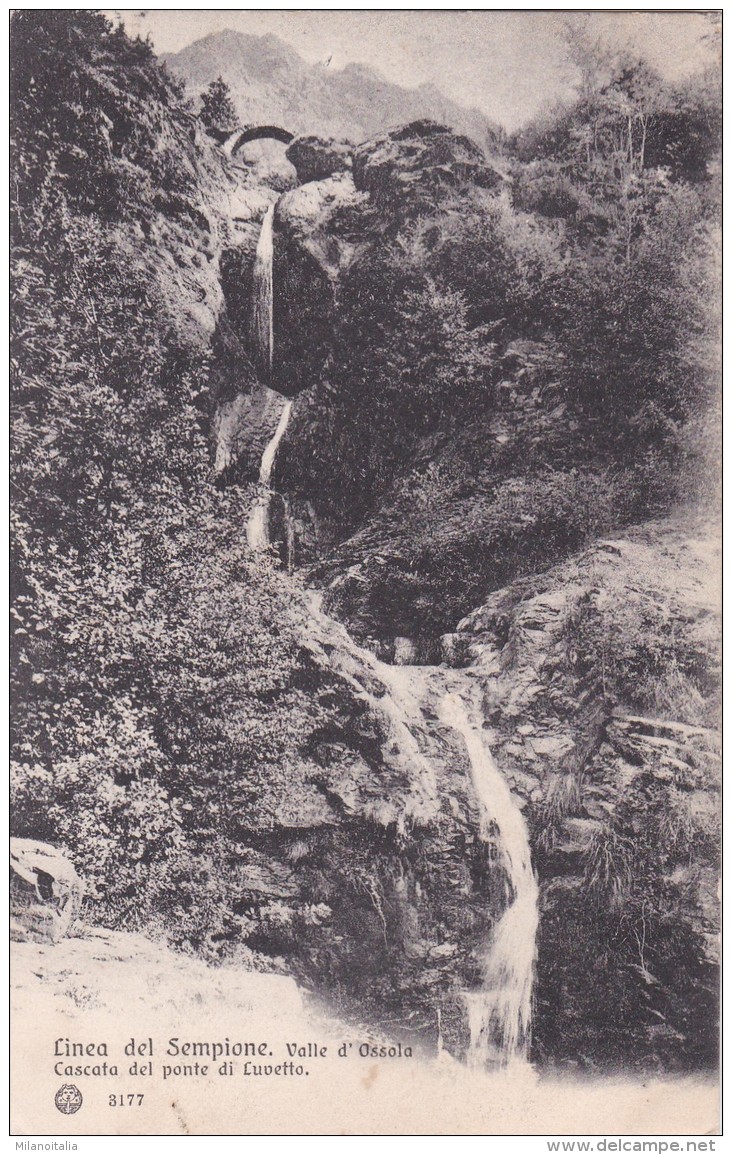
508	64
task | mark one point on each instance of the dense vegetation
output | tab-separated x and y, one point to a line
143	726
514	371
217	108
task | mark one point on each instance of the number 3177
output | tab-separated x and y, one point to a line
126	1100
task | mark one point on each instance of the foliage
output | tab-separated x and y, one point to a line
217	108
404	357
646	652
451	538
630	930
569	320
640	338
96	125
625	118
142	692
646	880
148	645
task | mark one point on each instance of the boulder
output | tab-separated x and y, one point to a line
45	892
250	204
324	218
409	168
316	159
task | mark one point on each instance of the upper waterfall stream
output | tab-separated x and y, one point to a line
499	1011
262	337
262	322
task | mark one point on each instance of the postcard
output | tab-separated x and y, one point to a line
365	573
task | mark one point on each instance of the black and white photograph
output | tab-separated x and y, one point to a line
365	573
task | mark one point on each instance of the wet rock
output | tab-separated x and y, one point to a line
241	430
324	218
248	205
624	807
415	651
318	230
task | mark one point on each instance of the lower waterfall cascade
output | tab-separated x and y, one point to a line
498	1012
258	535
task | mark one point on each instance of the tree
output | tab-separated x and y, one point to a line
218	113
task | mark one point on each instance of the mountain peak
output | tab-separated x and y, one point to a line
228	42
356	68
271	82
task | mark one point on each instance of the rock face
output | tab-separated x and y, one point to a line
45	892
318	231
242	427
324	218
376	886
321	230
317	159
618	779
179	246
405	168
601	680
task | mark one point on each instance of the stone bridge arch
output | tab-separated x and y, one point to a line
258	132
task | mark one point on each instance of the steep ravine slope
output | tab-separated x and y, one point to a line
626	855
602	694
254	778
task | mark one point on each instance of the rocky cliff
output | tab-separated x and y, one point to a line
602	698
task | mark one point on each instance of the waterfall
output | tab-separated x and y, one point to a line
499	1013
270	452
262	329
262	335
258	525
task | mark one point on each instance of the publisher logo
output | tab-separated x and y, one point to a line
68	1099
